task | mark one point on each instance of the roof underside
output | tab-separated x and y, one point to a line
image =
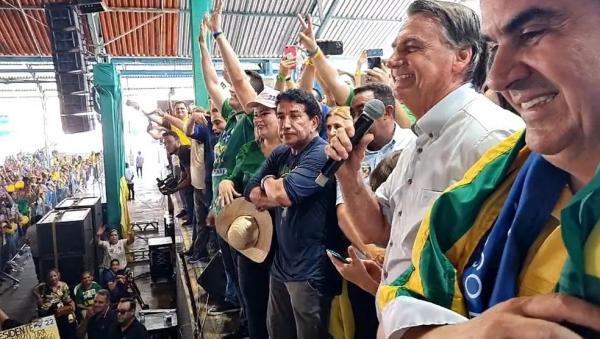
160	28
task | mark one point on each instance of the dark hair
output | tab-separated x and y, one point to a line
256	81
87	272
311	106
319	95
112	261
380	91
383	170
131	302
170	134
461	29
105	293
180	102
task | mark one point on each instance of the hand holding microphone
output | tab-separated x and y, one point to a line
349	144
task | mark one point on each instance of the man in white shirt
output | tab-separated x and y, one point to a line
129	175
139	164
437	72
114	248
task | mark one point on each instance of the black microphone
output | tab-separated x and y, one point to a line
374	109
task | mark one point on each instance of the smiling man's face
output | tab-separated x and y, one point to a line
546	61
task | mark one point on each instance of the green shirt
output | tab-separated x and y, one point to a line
86	297
247	162
238	131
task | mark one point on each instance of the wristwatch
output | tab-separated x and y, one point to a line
263	180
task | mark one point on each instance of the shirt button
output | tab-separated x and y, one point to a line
431	135
410	181
419	150
391	243
399	213
385	274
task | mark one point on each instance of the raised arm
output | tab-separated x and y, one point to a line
307	78
175	121
327	72
241	85
208	69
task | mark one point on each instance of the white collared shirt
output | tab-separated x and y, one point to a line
400	140
451	137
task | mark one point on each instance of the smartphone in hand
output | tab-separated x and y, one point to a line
338	256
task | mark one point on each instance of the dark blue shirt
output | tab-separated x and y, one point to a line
203	133
325	110
306	229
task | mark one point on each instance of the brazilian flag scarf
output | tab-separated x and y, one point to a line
493	215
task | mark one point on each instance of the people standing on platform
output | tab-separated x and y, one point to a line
303	281
85	293
100	322
129	176
253	276
139	165
114	248
239	130
199	131
184	186
129	326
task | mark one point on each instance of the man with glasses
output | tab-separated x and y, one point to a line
130	327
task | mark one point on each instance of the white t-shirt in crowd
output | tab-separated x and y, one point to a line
116	251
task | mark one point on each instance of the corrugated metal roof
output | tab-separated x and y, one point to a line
184	45
157	36
256	28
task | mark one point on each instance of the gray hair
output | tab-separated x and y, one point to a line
461	29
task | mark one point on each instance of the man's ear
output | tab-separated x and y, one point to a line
316	120
463	59
390	112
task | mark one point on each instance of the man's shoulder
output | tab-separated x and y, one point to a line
490	116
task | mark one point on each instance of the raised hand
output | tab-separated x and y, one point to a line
203	31
214	20
307	35
285	66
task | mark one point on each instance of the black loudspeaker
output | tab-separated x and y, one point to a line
70	267
95	206
70	228
161	259
213	279
70	66
74	250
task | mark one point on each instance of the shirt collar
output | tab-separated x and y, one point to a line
433	121
390	144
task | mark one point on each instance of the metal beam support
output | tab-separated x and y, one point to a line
93	20
332	9
199	8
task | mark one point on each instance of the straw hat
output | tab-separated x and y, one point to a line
246	229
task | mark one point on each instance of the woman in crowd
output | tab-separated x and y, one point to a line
54	298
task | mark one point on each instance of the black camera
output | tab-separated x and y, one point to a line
167	185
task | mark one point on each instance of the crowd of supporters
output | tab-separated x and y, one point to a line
31	184
441	218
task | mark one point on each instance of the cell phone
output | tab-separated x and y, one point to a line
331	47
374	58
338	256
290	52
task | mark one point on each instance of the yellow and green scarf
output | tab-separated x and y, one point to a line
460	221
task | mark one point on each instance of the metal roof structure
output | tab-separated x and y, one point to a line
152	38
